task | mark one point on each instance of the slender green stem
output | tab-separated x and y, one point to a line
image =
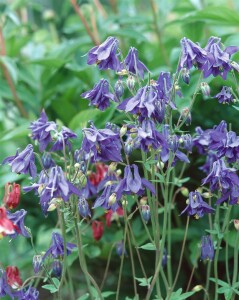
235	266
121	265
181	258
107	267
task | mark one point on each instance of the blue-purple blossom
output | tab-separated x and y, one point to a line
133	64
100	95
56	249
164	87
133	183
83	207
41	130
207	248
225	180
187	142
18	219
109	197
5	289
29	293
196	206
185	73
225	96
218	61
53	185
119	89
192	54
101	144
105	55
145	209
37	263
23	162
61	139
142	104
119	248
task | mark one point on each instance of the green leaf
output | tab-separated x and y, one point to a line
20	131
84	297
144	281
56	282
220	282
50	287
130	33
107	294
148	246
236	107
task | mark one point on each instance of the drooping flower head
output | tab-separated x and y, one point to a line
83	207
225	96
57	268
6	226
101	144
100	95
62	139
105	55
41	130
192	54
23	162
133	64
5	289
56	249
47	160
12	195
207	248
196	206
18	219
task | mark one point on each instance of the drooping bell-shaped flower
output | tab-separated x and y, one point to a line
100	95
133	64
12	195
18	219
13	277
225	96
97	230
23	162
62	139
105	55
207	248
83	207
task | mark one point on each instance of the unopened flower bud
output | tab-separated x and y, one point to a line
186	114
119	248
47	160
235	66
49	15
83	180
123	130
124	202
83	208
205	88
145	212
57	268
119	88
160	165
143	201
207	195
197	288
184	191
37	262
118	172
76	165
185	75
112	199
112	167
133	133
236	224
130	82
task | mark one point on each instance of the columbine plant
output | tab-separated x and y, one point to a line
104	174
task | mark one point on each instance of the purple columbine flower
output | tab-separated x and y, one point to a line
164	88
62	139
23	162
29	293
18	219
37	263
41	130
119	248
133	64
196	206
218	61
109	197
133	183
192	55
57	268
105	55
210	159
187	142
142	104
100	95
225	96
5	289
225	180
207	249
56	249
101	144
83	207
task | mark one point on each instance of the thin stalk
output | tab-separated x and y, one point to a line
107	267
181	258
121	266
70	284
235	266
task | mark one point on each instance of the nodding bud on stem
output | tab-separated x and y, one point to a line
143	200
186	114
112	199
185	75
205	88
146	213
112	167
37	263
130	82
119	88
184	191
236	224
123	130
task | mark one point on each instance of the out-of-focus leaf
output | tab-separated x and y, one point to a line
10	65
20	131
129	33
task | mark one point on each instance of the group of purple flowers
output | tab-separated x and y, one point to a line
147	129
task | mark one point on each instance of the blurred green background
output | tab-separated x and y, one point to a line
43	65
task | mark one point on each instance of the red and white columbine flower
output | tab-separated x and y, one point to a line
12	195
6	226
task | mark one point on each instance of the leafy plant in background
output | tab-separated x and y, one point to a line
46	69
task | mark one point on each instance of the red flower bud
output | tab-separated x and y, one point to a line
97	229
13	277
12	195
